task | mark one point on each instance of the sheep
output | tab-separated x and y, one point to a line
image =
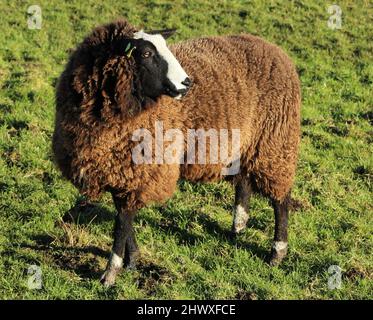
121	79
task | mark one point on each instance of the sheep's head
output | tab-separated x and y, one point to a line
120	69
158	70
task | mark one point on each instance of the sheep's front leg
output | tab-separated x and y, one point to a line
124	245
243	191
280	245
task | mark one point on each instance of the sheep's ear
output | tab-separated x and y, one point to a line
166	33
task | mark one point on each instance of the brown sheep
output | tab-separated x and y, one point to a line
108	91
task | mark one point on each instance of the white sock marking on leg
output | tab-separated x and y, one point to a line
240	218
280	245
115	260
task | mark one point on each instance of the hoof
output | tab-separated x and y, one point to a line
130	262
114	266
109	276
278	253
232	234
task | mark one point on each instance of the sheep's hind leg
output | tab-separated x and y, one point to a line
243	191
124	245
280	245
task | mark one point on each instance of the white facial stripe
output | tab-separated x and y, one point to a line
176	73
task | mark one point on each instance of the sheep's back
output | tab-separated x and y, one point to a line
240	82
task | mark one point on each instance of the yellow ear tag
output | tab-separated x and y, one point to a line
130	52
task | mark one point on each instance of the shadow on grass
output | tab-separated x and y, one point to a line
150	276
168	224
88	262
83	261
84	212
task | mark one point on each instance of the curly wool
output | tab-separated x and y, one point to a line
240	82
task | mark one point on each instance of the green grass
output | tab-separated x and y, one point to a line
185	248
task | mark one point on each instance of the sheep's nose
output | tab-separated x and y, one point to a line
187	82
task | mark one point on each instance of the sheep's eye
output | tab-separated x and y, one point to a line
146	54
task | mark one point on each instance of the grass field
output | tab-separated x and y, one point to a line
186	251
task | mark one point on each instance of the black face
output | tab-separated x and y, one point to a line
152	70
152	76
